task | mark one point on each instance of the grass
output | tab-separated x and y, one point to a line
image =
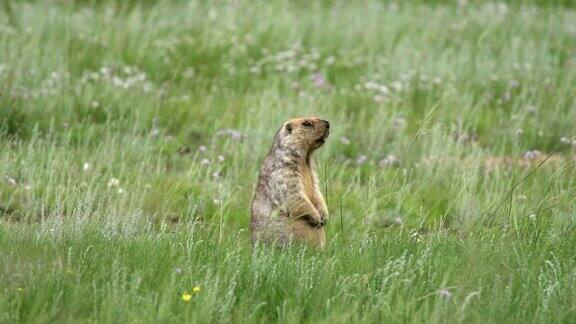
132	132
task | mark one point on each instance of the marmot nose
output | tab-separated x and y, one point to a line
327	123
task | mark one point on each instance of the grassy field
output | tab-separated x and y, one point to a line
131	135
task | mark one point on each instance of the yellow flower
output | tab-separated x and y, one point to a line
186	297
196	289
20	289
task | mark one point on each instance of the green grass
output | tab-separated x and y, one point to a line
131	135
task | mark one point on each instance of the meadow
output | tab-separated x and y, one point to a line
131	133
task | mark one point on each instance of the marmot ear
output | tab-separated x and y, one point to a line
288	128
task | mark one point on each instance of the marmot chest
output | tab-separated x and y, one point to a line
309	185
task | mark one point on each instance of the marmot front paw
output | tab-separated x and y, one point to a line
323	220
318	220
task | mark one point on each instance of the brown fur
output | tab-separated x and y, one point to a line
288	205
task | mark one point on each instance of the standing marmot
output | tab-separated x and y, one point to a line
288	205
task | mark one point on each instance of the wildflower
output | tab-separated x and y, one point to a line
330	60
513	83
196	289
361	159
155	132
568	141
147	87
319	80
113	182
378	98
389	160
344	140
444	293
397	85
202	148
105	70
11	181
399	123
86	166
204	162
384	89
20	289
189	73
178	271
371	85
232	133
186	297
117	82
120	191
221	158
519	132
531	155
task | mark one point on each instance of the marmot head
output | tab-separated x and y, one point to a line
307	133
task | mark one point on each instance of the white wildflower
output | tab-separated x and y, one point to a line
389	160
189	73
113	182
531	109
444	293
397	85
378	98
11	181
534	154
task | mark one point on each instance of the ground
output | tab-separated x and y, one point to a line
131	133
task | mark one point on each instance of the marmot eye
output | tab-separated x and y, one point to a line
307	124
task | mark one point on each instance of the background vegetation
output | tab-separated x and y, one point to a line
132	133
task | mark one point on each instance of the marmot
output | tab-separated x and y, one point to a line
288	205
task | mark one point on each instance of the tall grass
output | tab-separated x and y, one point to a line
131	135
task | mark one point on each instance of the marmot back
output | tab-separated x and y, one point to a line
288	205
